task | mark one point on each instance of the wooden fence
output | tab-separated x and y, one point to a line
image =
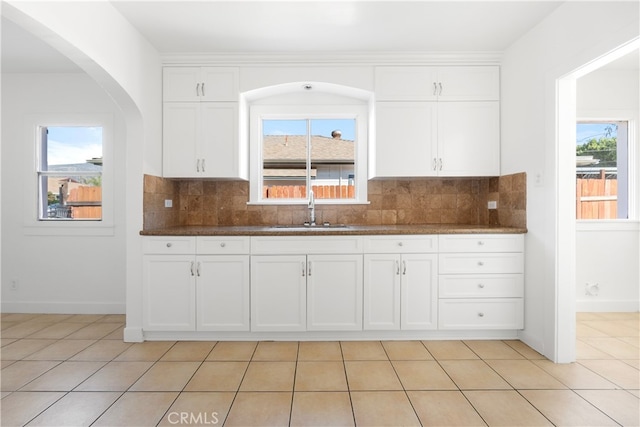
85	202
300	191
597	198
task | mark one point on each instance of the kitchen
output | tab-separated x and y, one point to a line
529	68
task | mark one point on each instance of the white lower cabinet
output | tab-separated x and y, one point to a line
184	291
481	282
306	292
400	289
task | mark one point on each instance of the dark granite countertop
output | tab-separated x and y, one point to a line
349	230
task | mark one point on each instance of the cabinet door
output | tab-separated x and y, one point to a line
222	293
419	302
406	83
405	139
219	149
464	83
180	136
168	293
334	292
180	84
219	84
469	138
382	291
278	293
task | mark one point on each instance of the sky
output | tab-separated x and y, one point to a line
322	127
71	145
587	131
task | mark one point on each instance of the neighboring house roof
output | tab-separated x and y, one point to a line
292	149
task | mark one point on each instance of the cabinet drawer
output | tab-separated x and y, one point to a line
214	245
289	245
169	245
481	243
481	263
400	244
481	286
504	313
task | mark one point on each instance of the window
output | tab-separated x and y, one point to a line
602	170
321	149
69	170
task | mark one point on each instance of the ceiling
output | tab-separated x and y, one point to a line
305	27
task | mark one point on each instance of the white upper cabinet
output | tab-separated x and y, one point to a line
457	83
194	84
437	121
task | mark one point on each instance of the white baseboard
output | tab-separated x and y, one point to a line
133	335
63	307
613	306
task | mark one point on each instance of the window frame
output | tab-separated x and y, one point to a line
32	200
632	165
258	113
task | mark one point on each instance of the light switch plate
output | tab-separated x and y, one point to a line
492	204
168	203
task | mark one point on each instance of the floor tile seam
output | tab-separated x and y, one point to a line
295	375
41	374
344	367
566	383
96	341
235	394
48	406
600	375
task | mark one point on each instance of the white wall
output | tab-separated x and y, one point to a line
574	34
608	252
69	273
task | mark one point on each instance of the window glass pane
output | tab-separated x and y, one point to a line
601	170
333	158
71	173
284	156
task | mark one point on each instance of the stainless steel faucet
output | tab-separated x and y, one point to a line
312	208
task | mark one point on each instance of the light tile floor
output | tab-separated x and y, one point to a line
76	370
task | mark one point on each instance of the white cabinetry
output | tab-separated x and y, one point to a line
437	121
481	281
200	133
306	284
186	291
400	282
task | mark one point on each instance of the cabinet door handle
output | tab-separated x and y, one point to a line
439	85
304	270
198	269
192	270
309	272
435	163
435	88
404	268
202	88
397	268
202	164
197	165
440	163
198	89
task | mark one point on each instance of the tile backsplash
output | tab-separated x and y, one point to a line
392	201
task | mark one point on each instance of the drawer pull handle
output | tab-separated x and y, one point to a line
223	244
169	245
481	285
481	314
480	263
480	243
399	243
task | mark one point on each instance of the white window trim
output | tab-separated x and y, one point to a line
257	113
633	159
32	226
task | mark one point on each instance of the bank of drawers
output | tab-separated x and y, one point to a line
481	281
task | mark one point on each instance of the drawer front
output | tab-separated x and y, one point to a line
169	245
481	263
300	245
400	244
481	243
481	286
230	245
504	313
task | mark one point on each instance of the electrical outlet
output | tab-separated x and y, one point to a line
168	203
492	204
14	284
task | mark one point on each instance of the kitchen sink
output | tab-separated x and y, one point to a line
316	227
